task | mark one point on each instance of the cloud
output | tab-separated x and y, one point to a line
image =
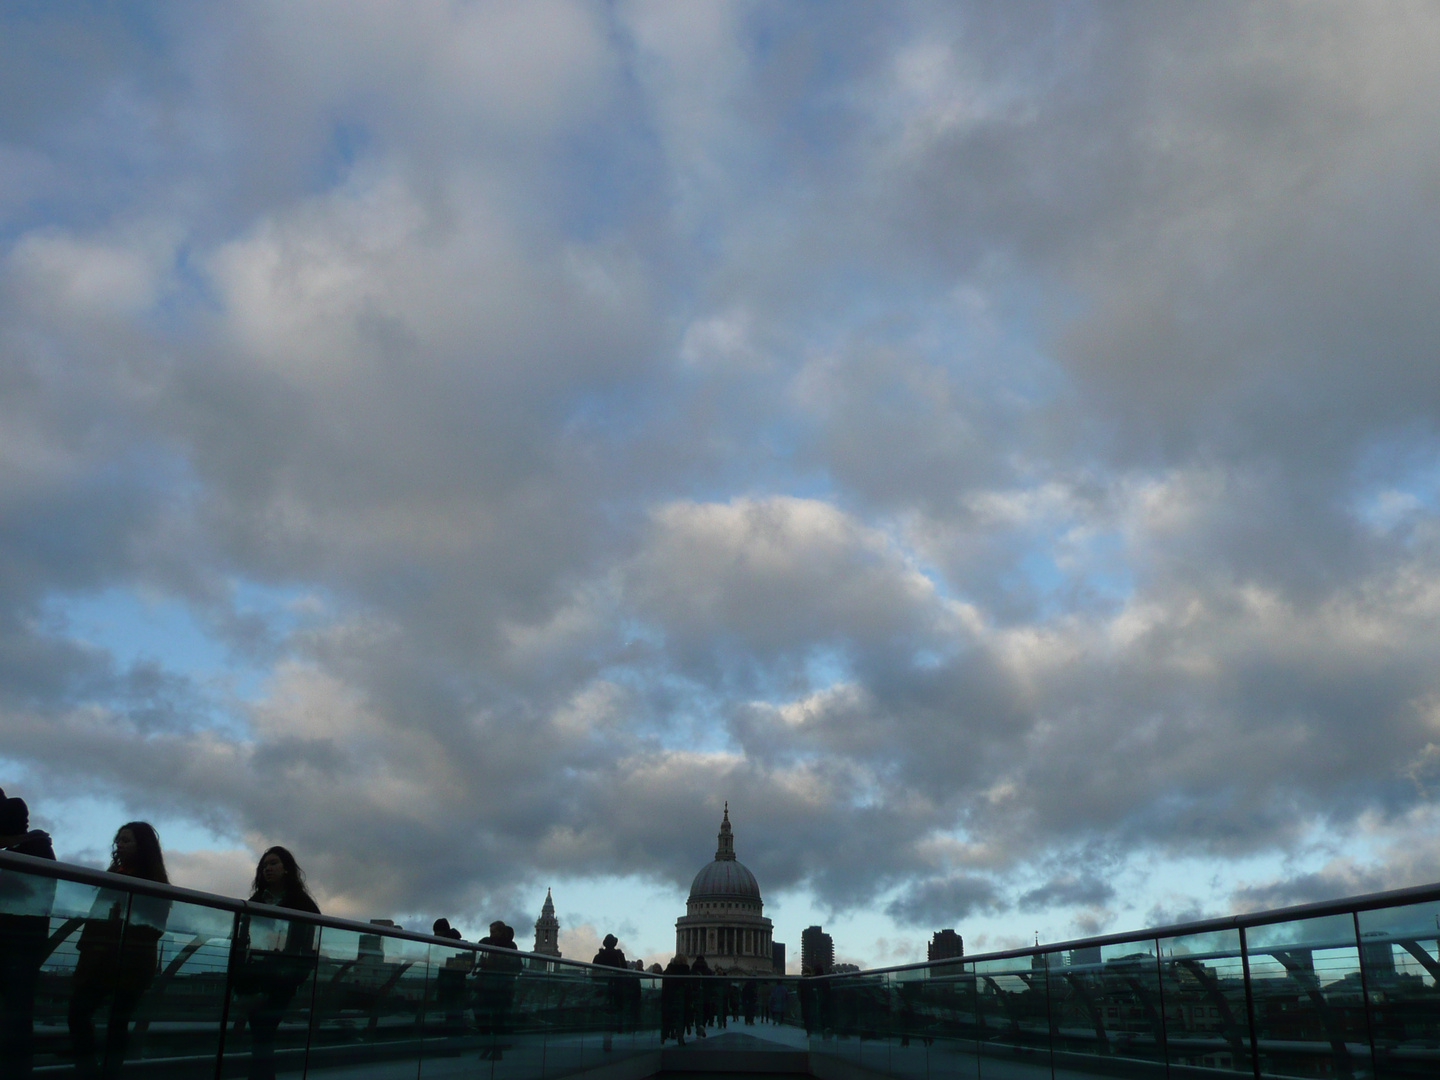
994	449
1067	890
944	901
1331	883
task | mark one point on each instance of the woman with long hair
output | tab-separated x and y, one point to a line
280	882
270	978
118	950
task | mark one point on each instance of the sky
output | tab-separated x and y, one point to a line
994	446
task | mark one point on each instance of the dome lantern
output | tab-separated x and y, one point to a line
725	849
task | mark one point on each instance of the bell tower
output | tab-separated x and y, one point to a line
547	930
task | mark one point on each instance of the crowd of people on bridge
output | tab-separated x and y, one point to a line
690	1005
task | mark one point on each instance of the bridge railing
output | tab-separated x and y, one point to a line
1348	989
108	975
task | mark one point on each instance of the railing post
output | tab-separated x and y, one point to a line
1250	1003
231	961
1365	994
314	993
1164	1020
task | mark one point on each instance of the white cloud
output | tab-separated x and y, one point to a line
975	441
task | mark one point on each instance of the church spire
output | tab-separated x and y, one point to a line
547	929
726	848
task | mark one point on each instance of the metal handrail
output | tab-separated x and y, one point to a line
85	875
1414	894
88	876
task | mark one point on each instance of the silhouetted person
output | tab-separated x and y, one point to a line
611	956
779	1003
808	1005
270	978
450	980
702	996
25	903
498	972
442	928
750	1001
674	998
118	955
15	830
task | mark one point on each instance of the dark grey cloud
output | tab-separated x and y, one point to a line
1331	883
1067	890
943	901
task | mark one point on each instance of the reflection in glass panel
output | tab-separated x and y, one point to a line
1308	1005
448	1020
1401	957
510	1038
1207	1019
619	1004
1013	1016
39	922
851	1011
179	1017
863	1007
368	1002
558	1014
1105	1003
911	1025
647	1012
271	990
950	1012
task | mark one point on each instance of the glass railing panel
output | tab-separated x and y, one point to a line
908	1037
1307	998
178	1022
779	1003
861	1018
615	1004
272	987
645	1011
1400	955
1207	1015
823	1006
368	1003
641	1017
563	1014
949	1021
449	1032
504	1004
1013	1016
40	920
94	979
1105	1003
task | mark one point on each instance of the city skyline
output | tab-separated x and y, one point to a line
994	447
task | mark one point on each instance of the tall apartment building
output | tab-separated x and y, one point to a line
945	945
817	951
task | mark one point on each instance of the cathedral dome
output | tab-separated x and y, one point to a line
724	918
723	879
726	878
